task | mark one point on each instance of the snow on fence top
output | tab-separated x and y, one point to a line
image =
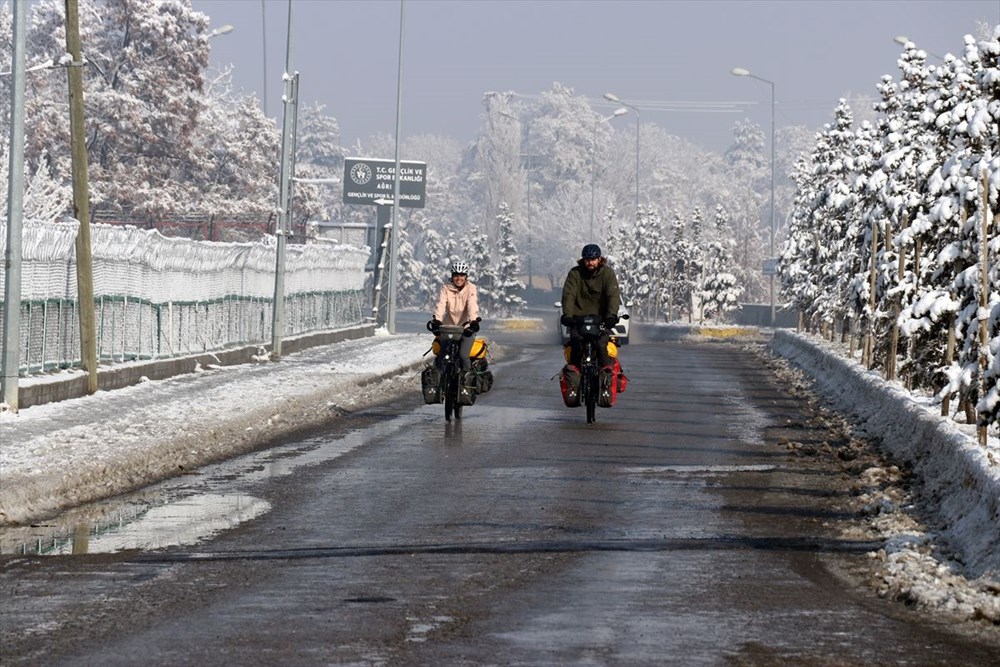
145	265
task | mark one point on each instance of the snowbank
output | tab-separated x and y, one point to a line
960	479
64	454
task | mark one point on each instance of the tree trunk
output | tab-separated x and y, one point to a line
868	354
984	272
890	362
949	356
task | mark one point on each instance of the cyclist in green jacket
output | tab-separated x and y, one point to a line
591	288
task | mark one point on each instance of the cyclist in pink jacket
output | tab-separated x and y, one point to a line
458	305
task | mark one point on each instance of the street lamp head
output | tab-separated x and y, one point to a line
739	71
620	111
611	97
902	40
221	30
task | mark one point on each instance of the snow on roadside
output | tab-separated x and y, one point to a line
953	564
63	454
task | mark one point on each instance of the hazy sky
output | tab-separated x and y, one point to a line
670	58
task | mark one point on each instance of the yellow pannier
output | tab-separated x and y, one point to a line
612	350
478	348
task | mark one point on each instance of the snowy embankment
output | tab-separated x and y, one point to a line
959	479
64	454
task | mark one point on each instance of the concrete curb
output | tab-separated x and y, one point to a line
131	373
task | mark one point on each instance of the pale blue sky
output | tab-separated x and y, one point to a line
681	52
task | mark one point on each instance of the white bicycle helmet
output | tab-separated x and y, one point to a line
459	266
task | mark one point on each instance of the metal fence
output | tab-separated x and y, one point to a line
157	297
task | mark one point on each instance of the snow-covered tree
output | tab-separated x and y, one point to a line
143	95
234	150
318	156
499	174
562	128
888	224
743	193
410	289
684	270
720	291
507	289
480	257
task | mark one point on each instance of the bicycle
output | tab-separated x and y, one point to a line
592	392
443	381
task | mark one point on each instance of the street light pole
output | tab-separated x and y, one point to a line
614	98
263	54
739	71
593	164
396	237
284	197
527	187
221	30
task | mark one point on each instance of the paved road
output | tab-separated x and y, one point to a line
679	529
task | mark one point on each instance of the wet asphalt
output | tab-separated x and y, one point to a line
680	529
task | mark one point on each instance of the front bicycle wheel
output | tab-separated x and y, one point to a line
590	388
451	388
450	392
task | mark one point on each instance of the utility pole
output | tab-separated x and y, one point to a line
15	213
81	199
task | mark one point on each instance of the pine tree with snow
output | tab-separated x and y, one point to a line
439	254
507	289
485	278
685	269
720	291
409	286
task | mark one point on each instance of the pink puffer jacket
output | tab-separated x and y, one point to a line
457	306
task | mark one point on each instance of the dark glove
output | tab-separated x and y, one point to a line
610	321
467	332
567	320
434	326
474	326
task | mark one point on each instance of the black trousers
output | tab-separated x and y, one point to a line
465	353
576	349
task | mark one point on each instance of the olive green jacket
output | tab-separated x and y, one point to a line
591	294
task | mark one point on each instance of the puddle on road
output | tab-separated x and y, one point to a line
179	523
186	510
